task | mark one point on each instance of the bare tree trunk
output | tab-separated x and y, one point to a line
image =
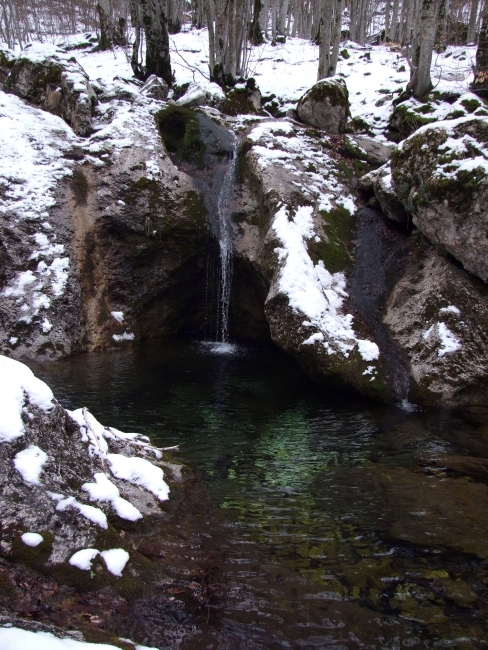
337	38
421	83
149	15
473	19
325	38
256	30
387	19
112	31
480	83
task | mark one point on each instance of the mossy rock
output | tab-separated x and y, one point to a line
406	119
335	250
243	101
180	132
326	105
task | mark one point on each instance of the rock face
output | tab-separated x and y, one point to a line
63	473
103	239
438	314
440	175
379	183
298	239
325	106
55	81
156	88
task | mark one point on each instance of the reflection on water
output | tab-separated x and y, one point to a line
336	490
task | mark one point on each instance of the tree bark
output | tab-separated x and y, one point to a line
150	16
480	83
473	15
421	83
325	38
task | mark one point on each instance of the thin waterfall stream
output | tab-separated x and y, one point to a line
226	251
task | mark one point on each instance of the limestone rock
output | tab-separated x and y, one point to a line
7	60
299	240
55	81
199	95
244	98
438	314
325	105
156	88
379	182
371	150
440	175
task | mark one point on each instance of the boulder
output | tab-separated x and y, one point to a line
198	95
370	149
7	60
438	315
244	99
48	77
440	175
379	183
294	233
62	475
156	88
325	105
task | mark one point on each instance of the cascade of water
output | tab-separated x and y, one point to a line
225	250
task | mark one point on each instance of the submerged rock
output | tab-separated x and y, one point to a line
55	81
325	106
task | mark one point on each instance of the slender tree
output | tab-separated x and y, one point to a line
480	83
149	17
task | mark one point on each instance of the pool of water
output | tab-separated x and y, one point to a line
346	501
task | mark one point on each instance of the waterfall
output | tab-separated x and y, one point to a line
225	250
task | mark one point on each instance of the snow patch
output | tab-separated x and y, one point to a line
32	539
29	463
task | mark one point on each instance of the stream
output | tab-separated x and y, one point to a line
344	532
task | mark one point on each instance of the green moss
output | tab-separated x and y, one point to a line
238	102
358	125
471	104
481	112
334	91
453	115
5	61
425	109
33	556
180	132
335	253
345	54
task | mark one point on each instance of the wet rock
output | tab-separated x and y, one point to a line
325	106
463	465
379	182
299	239
440	175
426	511
118	256
55	81
438	314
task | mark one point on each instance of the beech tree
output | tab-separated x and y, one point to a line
149	18
112	29
480	83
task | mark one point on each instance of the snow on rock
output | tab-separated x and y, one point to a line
115	559
95	515
29	463
314	291
84	559
140	472
32	539
16	382
14	638
104	490
126	336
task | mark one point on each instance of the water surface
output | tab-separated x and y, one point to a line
377	545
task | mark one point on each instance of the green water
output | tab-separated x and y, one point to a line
335	491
